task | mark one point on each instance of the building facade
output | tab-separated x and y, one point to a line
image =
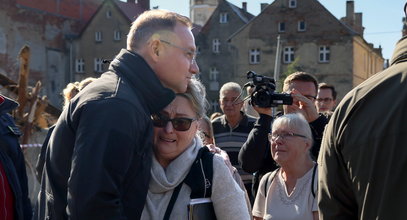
103	37
215	59
312	39
43	26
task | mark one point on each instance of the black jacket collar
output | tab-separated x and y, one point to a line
135	69
7	105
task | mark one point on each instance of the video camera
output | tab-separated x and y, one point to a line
263	94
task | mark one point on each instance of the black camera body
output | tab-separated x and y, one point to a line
263	94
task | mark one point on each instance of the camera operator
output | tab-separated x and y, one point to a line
255	154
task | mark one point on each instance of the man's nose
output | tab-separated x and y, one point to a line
194	68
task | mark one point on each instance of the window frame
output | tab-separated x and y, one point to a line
288	54
281	27
254	56
223	18
216	45
98	65
80	65
292	1
299	29
324	51
117	35
98	36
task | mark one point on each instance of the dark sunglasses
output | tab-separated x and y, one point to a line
179	124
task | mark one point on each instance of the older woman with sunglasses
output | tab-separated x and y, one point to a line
176	145
290	191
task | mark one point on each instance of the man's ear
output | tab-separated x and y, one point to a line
154	49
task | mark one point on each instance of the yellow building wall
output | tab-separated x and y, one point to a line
366	61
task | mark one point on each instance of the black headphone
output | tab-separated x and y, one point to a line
405	7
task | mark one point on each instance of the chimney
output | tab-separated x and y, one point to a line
350	11
244	6
144	4
263	6
358	26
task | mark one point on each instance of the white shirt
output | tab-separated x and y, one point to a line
299	205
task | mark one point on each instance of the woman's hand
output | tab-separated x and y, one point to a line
223	154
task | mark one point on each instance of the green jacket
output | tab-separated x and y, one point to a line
363	157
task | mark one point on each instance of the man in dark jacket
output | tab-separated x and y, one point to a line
14	201
100	152
255	155
362	163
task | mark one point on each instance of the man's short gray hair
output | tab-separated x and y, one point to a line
196	94
151	22
230	86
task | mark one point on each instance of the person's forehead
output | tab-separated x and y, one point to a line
229	94
184	36
179	106
305	88
283	127
325	92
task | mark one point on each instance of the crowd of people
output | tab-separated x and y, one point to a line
136	143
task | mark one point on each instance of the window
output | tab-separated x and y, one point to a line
98	65
292	3
117	35
98	36
288	54
108	14
324	54
213	74
215	45
301	26
223	18
80	65
215	105
281	27
254	56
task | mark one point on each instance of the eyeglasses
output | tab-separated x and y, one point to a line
189	53
179	124
284	136
324	99
310	97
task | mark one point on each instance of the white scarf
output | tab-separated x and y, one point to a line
163	181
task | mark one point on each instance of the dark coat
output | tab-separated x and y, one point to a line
12	159
99	155
363	158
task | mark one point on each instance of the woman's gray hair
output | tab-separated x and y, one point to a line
230	86
196	94
294	121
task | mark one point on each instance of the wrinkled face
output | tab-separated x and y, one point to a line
176	65
168	142
325	101
287	149
306	89
230	103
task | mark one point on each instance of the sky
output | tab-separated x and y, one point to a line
382	19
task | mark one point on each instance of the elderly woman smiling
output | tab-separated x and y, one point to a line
176	146
290	191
